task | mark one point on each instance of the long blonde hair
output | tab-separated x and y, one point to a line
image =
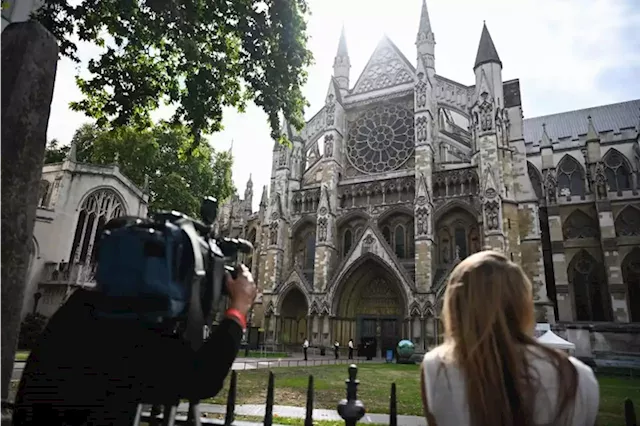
488	319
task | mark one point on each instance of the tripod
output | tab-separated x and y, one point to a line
168	416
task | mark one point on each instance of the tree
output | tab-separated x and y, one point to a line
178	176
199	55
55	153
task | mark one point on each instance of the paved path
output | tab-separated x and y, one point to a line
255	363
299	413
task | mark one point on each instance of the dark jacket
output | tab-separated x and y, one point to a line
90	371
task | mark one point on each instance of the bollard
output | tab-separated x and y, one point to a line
351	409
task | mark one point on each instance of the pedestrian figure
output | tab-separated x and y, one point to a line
305	348
350	348
490	369
336	348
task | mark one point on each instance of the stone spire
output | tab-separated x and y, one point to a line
342	64
487	52
424	29
426	41
342	44
248	196
592	133
73	149
264	201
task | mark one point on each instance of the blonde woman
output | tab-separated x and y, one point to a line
490	370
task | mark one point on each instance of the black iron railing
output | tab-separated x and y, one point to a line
350	409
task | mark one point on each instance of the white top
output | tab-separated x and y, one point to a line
447	400
351	344
305	344
554	341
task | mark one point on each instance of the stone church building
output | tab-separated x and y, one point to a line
404	173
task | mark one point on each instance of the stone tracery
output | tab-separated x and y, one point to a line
381	139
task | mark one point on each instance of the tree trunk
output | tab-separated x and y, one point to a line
29	61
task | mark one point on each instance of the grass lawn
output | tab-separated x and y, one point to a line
375	386
21	356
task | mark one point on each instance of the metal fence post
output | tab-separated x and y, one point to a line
268	412
629	413
393	407
308	421
351	409
231	400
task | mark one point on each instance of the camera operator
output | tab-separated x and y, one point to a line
87	370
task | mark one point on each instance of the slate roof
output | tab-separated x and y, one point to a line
486	50
572	125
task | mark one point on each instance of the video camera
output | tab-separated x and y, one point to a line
167	270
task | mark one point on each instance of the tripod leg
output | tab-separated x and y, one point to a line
169	416
136	419
194	414
155	410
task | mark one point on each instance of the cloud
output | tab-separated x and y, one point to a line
568	54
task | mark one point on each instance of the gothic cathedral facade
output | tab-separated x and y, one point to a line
403	174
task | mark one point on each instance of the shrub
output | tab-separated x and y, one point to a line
30	330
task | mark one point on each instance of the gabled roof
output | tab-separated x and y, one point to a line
573	124
374	77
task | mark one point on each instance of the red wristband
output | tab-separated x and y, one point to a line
235	314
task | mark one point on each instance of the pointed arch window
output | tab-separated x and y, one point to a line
631	278
589	288
310	252
617	171
44	193
400	242
348	241
536	180
570	177
97	209
580	225
627	223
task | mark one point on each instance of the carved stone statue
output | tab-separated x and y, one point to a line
273	233
457	252
486	117
422	220
492	215
421	91
421	128
601	181
328	146
282	158
322	229
551	186
330	109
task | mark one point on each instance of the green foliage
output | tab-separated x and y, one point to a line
178	176
199	55
55	153
31	328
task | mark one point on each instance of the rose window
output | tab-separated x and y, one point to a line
381	139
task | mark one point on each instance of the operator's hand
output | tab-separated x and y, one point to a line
242	291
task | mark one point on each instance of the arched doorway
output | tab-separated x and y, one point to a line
631	277
370	307
588	282
293	317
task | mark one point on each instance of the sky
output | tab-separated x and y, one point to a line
568	54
